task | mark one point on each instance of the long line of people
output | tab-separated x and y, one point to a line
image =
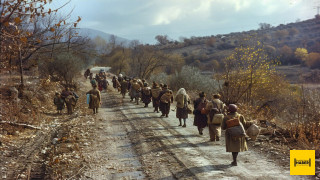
212	113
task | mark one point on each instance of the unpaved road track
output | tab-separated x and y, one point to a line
132	142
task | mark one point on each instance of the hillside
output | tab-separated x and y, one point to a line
93	33
304	34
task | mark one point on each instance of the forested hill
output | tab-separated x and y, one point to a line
280	41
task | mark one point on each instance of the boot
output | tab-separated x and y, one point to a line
234	156
184	123
166	115
180	122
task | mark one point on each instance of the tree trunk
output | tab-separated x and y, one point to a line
21	68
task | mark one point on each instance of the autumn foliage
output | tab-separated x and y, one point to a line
26	28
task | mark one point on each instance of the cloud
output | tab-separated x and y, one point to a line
167	15
144	19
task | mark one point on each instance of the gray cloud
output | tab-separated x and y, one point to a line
144	19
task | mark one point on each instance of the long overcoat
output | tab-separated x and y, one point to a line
200	120
234	144
95	99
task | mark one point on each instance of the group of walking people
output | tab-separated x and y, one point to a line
68	97
212	113
139	90
100	79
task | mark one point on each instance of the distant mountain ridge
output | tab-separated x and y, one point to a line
93	33
204	50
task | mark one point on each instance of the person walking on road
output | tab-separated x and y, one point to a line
58	102
135	90
182	99
87	73
146	94
69	99
124	87
166	97
234	144
114	82
95	99
200	114
155	92
215	109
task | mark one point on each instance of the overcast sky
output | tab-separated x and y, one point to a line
144	19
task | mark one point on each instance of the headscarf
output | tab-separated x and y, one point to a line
182	91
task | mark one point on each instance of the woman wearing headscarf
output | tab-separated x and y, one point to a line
234	144
182	99
200	115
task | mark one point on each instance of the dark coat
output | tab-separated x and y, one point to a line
164	107
59	102
200	120
124	87
146	98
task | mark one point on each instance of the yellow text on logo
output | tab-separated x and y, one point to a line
302	162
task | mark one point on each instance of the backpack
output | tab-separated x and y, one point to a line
180	101
233	122
237	131
217	119
166	97
70	100
135	86
211	113
155	92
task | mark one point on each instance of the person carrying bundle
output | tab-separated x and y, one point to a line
182	99
200	113
215	109
95	99
135	90
234	124
155	92
166	97
146	94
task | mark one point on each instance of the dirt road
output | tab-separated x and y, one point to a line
132	142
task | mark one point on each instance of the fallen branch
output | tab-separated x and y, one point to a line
19	124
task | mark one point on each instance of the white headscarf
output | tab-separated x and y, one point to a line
182	91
